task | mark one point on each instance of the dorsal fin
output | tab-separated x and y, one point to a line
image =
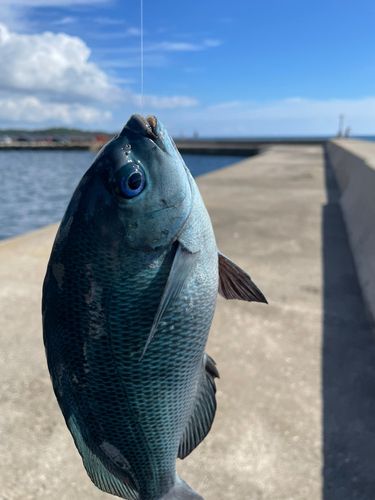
234	283
204	409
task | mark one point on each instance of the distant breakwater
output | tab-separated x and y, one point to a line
190	146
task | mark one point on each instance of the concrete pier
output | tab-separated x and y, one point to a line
354	165
296	405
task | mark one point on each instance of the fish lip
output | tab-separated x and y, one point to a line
138	124
148	127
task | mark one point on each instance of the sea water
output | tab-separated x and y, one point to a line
36	186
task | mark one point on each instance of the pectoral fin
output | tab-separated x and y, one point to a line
234	283
183	264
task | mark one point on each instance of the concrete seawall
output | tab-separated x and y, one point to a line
295	417
354	166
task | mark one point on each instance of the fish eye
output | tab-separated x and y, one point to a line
130	180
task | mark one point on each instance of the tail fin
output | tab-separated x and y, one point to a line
181	491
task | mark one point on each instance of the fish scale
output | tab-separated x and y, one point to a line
171	362
105	362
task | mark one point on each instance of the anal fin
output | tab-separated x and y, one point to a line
95	469
204	410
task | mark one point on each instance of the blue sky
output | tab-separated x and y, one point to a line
271	67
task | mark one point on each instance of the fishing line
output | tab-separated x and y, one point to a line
142	71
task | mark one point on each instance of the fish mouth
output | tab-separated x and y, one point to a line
137	124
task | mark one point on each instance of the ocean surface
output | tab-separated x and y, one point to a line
36	186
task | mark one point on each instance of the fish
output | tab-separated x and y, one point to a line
128	300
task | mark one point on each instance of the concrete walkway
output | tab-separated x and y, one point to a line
296	414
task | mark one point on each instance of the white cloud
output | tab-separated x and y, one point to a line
291	116
212	42
53	64
133	61
63	21
108	21
15	13
49	78
150	102
50	3
125	32
31	110
168	46
12	16
308	115
168	102
157	49
132	31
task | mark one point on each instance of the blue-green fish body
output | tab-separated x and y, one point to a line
128	301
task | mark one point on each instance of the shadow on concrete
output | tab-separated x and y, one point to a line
348	370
